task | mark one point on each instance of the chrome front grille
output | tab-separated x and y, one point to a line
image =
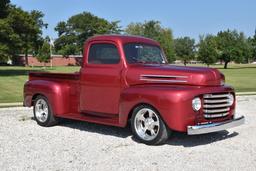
216	105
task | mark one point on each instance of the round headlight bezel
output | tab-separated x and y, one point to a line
231	99
196	104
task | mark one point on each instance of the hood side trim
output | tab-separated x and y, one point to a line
164	78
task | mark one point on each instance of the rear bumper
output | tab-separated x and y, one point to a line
214	127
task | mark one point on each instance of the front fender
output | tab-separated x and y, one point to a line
56	93
174	103
169	101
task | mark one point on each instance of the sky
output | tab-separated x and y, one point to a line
184	17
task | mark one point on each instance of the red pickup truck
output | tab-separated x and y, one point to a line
127	78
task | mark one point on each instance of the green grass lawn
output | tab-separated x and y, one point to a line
243	79
241	76
12	79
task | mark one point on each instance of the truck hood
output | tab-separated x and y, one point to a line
171	74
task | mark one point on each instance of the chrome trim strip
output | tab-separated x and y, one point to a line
164	76
215	115
216	101
165	81
216	95
216	105
214	127
216	110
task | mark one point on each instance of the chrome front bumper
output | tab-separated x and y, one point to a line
214	127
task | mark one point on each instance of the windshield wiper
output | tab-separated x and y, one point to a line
135	60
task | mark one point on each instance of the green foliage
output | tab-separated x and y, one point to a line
252	47
44	54
135	29
232	46
207	52
4	6
184	49
78	28
21	31
152	29
9	41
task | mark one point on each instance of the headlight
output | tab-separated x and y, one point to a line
222	82
230	99
196	104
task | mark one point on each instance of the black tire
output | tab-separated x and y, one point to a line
136	124
49	119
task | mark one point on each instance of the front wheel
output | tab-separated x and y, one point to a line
147	125
43	112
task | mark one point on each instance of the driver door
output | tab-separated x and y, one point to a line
100	79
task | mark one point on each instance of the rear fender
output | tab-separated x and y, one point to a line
56	93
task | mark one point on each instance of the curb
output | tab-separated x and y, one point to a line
17	104
245	93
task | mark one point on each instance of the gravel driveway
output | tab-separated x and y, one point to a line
77	145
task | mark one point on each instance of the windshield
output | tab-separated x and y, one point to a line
143	53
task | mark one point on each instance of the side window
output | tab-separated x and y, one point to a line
103	53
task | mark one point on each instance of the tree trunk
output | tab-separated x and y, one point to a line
225	65
26	57
185	63
26	51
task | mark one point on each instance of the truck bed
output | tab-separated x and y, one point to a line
53	76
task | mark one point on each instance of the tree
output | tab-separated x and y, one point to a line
246	47
184	49
252	45
7	35
29	28
232	46
152	29
9	41
135	29
21	31
166	41
44	54
78	28
207	52
4	6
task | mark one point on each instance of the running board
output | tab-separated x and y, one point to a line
99	114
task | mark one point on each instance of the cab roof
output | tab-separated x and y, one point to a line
123	39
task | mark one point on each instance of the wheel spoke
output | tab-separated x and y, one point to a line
156	123
45	110
42	116
152	131
150	113
38	107
142	118
144	130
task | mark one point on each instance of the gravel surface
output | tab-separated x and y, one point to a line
84	146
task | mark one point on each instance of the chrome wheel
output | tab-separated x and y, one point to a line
41	110
146	124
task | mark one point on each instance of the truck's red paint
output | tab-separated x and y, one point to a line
108	93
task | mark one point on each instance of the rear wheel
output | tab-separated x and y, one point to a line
147	125
43	112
